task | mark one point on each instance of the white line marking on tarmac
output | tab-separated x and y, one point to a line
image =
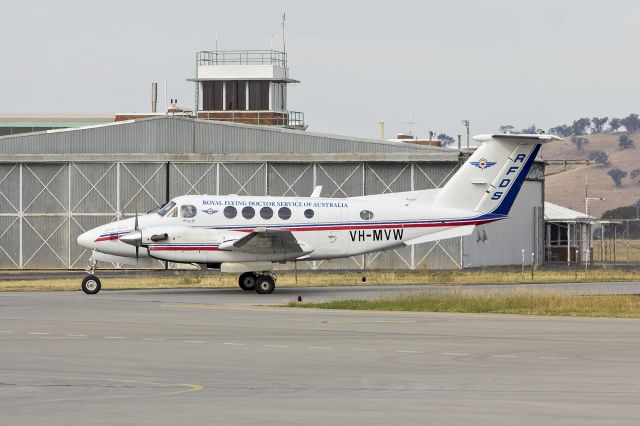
234	344
276	346
6	331
409	352
504	356
41	334
193	341
114	337
454	354
76	335
319	347
551	357
153	338
363	349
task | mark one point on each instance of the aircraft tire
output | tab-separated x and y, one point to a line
91	284
265	284
247	281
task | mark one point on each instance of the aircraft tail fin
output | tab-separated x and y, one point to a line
489	181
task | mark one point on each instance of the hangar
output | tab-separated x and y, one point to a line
56	184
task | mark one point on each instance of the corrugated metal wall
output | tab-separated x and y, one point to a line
45	206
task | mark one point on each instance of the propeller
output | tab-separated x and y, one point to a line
134	238
135	229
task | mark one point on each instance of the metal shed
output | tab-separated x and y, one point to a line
54	185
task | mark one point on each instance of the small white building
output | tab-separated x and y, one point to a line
568	235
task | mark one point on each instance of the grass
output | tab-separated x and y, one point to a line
190	279
519	302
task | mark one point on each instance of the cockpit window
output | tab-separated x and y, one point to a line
162	211
188	211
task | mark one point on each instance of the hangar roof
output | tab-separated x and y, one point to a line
169	138
556	213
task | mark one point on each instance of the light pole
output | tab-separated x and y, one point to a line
586	202
466	124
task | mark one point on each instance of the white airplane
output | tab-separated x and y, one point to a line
250	234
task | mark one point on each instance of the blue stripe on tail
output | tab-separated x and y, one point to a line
505	205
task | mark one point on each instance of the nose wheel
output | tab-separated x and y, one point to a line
91	284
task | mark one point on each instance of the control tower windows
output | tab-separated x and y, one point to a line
236	95
212	92
259	95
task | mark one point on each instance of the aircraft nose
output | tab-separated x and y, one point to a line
87	239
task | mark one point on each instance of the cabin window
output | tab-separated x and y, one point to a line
366	215
230	212
173	212
165	209
284	213
308	213
188	211
266	213
248	212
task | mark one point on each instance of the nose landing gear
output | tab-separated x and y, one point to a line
91	284
262	283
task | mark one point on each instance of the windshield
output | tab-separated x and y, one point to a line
164	209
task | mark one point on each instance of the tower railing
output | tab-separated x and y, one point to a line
241	57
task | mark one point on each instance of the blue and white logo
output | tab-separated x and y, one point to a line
210	211
483	163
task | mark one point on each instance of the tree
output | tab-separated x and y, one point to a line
625	142
562	130
580	126
617	175
635	174
614	124
631	122
445	139
579	142
600	157
529	130
628	212
597	124
507	128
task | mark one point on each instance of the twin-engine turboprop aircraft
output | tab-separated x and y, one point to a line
248	235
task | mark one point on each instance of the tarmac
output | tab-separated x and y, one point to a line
223	356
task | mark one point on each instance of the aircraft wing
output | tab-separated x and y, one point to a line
268	241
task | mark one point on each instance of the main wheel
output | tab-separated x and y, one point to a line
247	281
91	284
265	284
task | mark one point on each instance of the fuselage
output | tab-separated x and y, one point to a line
196	226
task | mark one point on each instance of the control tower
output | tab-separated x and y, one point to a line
245	86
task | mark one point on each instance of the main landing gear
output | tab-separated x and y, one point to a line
91	283
262	283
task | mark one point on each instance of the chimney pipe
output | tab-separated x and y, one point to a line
381	125
459	142
154	97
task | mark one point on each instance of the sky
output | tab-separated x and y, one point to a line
492	62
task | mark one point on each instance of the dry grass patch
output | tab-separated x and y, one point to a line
141	280
519	302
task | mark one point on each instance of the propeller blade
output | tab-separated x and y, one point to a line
135	224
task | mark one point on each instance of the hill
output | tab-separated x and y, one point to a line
566	186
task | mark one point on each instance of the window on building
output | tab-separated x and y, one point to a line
230	212
236	95
212	95
248	212
266	213
284	213
259	95
188	211
308	213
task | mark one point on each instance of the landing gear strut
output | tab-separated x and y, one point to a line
91	283
261	282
